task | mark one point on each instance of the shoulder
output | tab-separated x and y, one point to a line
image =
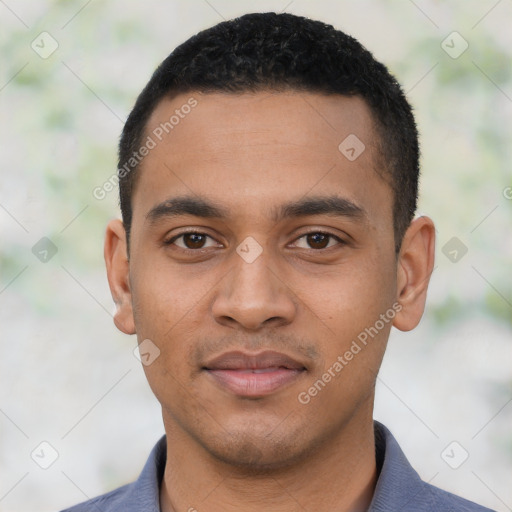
399	486
443	500
143	494
113	501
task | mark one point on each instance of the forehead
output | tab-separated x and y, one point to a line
245	149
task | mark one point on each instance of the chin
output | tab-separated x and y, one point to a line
251	454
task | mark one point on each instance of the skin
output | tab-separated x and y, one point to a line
252	153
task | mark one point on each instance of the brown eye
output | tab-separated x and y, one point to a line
191	241
318	240
194	240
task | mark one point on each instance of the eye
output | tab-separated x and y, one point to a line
191	240
319	240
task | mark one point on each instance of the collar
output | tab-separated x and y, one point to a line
398	486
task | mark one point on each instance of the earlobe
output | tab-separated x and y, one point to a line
415	265
118	274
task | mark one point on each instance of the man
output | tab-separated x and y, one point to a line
268	180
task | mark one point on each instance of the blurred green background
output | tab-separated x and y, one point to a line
69	75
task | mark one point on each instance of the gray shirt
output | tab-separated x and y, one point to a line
399	488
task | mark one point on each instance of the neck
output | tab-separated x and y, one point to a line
339	476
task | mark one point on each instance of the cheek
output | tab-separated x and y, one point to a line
169	309
357	307
353	297
165	298
352	351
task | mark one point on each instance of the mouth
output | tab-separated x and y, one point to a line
254	375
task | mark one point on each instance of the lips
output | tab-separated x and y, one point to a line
245	361
254	375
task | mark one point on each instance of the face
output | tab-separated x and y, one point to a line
262	266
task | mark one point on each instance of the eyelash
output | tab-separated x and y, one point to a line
176	237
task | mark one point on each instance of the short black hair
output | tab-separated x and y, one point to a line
270	51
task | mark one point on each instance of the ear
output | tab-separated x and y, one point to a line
415	265
118	273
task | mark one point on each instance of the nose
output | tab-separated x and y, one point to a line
252	296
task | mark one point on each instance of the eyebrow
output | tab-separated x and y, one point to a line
318	205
